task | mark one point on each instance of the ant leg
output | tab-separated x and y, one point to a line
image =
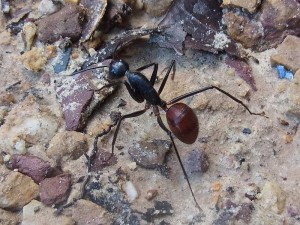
161	124
166	77
220	90
154	73
134	114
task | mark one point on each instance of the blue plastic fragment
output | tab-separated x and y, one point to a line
284	73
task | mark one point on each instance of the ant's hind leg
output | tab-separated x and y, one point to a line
161	124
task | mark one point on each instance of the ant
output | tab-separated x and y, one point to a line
181	119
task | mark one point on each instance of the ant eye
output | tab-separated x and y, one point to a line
117	69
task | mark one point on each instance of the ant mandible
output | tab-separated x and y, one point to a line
182	120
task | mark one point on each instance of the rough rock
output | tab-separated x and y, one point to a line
250	5
78	99
32	166
86	212
35	213
157	8
34	60
16	189
273	197
103	159
150	155
28	122
268	28
242	29
65	23
196	161
67	145
94	11
288	53
55	190
8	218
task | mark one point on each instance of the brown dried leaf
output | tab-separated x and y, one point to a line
243	69
201	20
95	10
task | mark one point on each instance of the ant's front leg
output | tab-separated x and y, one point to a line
134	114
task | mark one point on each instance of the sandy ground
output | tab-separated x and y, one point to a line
265	153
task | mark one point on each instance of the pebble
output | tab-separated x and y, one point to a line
247	131
67	145
103	159
151	194
32	166
8	218
77	98
55	190
30	122
29	32
130	191
157	8
67	22
86	212
161	208
273	197
196	161
252	191
16	189
35	213
250	5
288	54
150	155
288	138
34	60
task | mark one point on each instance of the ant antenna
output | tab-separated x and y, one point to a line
84	70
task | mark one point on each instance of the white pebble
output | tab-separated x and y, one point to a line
131	191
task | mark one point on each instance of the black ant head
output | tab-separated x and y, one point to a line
117	69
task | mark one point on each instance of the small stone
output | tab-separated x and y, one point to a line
65	23
130	191
288	138
247	131
283	122
151	194
16	189
47	7
31	166
86	212
272	197
34	60
156	8
29	31
216	186
35	213
55	190
250	5
103	159
288	53
67	145
252	191
161	208
8	218
150	155
196	161
132	165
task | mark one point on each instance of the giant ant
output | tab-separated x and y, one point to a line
181	119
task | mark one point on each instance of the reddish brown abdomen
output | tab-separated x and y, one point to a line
183	122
